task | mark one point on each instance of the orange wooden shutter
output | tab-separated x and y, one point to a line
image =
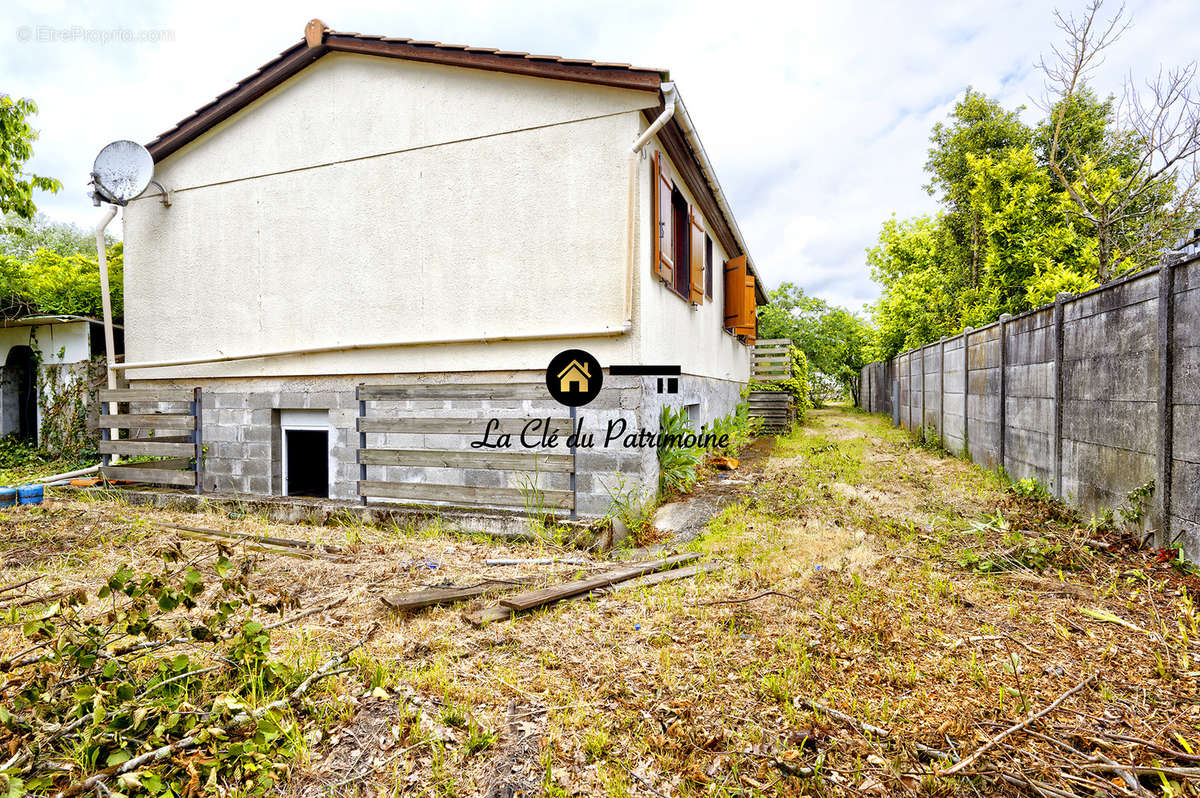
749	320
696	292
663	229
735	292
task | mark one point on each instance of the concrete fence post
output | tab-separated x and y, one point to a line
1003	390
942	392
921	424
1166	400
966	372
1056	434
896	397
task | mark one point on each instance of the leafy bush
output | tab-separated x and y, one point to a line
799	385
677	464
48	282
1031	488
170	662
740	428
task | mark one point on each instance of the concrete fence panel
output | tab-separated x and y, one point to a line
1096	396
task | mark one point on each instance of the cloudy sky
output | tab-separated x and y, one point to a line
815	114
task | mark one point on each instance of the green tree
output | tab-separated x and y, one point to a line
1030	240
22	237
978	127
16	147
832	339
919	301
1135	180
51	283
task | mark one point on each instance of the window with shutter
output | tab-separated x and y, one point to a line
696	286
662	220
683	242
708	267
749	319
735	294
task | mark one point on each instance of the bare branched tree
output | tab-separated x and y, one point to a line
1140	186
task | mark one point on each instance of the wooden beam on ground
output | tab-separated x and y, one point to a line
419	599
536	598
253	545
288	542
499	612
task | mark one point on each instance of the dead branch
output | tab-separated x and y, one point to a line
1016	728
863	726
764	594
22	583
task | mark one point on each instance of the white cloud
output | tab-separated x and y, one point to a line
816	114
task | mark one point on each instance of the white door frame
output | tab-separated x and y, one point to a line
308	420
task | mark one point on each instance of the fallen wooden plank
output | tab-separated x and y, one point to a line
419	599
499	612
287	542
286	551
659	577
487	615
536	598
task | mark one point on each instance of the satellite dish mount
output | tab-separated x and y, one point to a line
122	172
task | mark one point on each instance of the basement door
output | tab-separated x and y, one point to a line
307	445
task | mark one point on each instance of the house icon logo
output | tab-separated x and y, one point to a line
574	377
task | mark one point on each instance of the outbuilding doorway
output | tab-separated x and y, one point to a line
20	394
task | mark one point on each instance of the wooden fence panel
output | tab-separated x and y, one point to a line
180	457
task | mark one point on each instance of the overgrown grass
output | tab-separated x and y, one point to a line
22	462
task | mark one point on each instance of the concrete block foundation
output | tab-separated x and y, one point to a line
244	421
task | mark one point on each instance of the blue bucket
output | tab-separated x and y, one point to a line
30	494
8	497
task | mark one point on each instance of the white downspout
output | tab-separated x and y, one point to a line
668	90
106	303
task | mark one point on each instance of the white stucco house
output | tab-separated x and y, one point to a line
381	211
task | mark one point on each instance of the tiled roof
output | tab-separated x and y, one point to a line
320	40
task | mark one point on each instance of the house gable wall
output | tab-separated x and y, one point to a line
499	209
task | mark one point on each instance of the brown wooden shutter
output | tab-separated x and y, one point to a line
696	289
661	222
735	292
749	320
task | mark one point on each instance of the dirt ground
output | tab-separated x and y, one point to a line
881	613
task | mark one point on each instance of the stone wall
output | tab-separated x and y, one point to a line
1095	396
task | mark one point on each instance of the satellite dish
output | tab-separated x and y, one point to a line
122	171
